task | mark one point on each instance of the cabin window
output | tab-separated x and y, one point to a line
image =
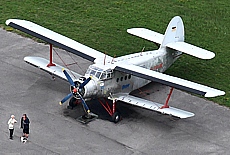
103	75
129	76
98	74
117	79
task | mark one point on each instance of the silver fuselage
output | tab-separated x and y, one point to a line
158	60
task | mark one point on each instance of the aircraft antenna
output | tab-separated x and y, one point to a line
113	58
142	50
104	58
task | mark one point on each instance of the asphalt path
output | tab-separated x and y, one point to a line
54	129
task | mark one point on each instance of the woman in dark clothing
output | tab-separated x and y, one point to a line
25	125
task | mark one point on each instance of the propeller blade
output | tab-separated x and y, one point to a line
68	77
84	104
65	98
85	82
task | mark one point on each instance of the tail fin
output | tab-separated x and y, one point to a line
173	39
174	31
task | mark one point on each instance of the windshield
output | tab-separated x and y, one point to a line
99	73
94	71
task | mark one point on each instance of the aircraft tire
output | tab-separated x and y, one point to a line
72	102
116	117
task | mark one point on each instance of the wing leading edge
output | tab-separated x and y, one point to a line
169	80
55	39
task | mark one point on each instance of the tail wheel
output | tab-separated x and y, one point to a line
116	117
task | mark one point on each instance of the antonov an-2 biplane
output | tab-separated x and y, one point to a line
115	78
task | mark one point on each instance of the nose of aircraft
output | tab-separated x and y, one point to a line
75	90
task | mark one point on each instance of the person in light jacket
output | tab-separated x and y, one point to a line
11	122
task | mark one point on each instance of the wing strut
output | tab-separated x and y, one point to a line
167	100
51	56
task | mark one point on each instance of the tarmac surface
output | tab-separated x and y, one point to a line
54	129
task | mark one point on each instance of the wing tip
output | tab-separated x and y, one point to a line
8	21
214	94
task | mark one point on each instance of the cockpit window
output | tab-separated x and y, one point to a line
103	75
92	72
99	73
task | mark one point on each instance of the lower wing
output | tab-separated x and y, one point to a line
152	105
53	70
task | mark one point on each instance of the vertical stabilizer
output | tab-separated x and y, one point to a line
174	31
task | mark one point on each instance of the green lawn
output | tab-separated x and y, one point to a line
102	24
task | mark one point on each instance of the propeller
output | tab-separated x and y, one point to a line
68	77
75	91
85	82
66	98
84	104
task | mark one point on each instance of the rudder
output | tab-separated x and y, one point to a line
174	31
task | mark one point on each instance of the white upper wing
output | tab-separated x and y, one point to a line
169	80
56	39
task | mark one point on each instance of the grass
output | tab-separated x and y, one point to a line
102	25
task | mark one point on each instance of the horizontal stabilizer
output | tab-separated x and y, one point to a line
176	45
53	70
152	105
191	50
147	34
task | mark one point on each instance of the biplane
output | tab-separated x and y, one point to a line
114	78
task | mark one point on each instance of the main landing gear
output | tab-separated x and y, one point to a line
73	102
115	115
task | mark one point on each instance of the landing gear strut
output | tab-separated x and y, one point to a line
115	116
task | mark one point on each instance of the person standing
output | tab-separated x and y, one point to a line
11	122
25	125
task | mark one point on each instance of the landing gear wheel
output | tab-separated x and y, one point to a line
72	103
116	117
